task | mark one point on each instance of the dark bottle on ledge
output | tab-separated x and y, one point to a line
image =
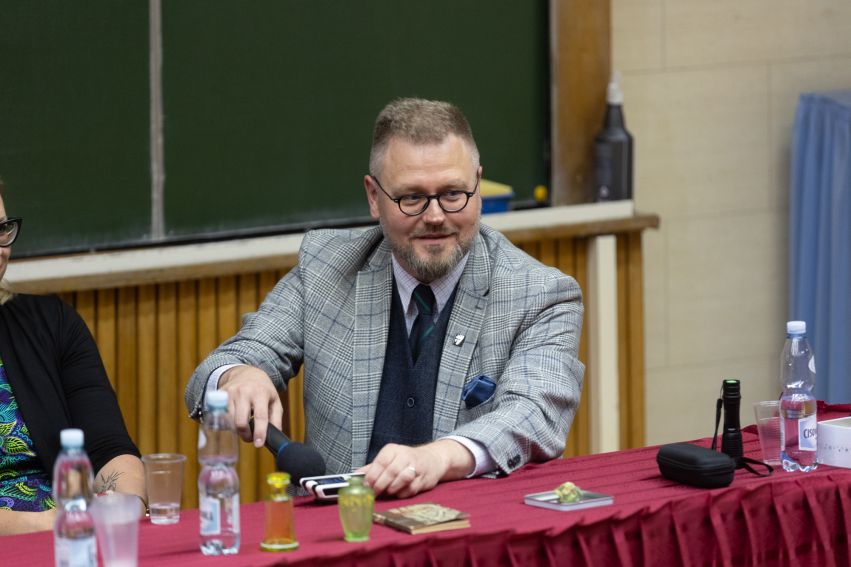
613	150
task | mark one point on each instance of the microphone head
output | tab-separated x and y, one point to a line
300	461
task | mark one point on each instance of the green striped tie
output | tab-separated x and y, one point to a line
424	323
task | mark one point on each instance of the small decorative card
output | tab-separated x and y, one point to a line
422	518
550	499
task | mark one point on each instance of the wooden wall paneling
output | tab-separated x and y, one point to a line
85	305
530	247
146	325
635	346
249	476
127	378
547	252
106	332
630	339
167	400
226	308
295	399
208	330
187	360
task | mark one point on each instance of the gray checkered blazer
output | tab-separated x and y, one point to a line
520	321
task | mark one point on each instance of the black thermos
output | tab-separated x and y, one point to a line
613	150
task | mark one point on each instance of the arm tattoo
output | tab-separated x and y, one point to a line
107	482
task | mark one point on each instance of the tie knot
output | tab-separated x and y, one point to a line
425	299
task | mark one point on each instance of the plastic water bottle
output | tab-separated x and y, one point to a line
218	483
74	530
613	150
798	442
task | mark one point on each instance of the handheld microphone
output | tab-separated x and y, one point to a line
293	457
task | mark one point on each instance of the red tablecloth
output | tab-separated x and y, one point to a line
787	519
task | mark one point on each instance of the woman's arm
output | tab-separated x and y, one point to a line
124	473
12	522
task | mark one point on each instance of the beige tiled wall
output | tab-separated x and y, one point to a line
711	89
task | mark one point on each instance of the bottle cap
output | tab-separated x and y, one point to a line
614	95
217	399
796	327
71	438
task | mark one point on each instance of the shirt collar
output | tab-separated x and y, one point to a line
442	287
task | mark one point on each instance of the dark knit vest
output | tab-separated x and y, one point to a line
405	409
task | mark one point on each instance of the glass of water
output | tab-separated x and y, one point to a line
164	480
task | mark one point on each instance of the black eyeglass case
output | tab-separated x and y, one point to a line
695	465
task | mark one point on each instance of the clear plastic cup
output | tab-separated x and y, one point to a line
768	425
164	480
116	518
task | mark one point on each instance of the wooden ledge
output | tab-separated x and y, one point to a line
169	263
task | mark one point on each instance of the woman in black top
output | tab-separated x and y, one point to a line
52	378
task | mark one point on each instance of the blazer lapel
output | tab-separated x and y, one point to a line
465	324
373	295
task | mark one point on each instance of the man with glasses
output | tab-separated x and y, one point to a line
433	348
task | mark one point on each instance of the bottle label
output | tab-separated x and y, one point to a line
807	428
76	552
211	516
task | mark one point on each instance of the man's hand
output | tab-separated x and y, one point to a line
251	390
404	471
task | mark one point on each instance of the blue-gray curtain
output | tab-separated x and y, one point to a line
820	236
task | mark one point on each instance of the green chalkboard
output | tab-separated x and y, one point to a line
268	108
74	126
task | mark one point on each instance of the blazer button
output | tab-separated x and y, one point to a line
512	462
410	402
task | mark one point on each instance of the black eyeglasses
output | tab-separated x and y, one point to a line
451	201
9	230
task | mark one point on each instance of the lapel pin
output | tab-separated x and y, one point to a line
459	340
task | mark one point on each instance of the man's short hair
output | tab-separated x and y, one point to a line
418	121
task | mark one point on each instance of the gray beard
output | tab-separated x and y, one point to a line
429	269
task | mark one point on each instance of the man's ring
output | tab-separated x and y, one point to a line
412	469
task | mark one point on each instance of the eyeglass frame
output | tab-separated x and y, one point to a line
18	222
428	198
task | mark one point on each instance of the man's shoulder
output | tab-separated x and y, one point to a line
331	239
339	248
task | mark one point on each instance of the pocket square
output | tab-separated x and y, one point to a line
477	391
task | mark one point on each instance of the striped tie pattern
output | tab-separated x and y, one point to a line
424	323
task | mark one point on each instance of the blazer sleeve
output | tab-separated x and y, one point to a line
91	401
538	391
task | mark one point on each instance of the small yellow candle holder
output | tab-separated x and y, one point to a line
356	503
280	529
